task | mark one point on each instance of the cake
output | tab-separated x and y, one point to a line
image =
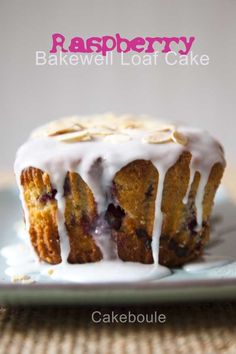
118	187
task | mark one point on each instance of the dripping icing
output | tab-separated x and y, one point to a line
56	158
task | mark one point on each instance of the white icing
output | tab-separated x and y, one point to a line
200	195
58	181
56	158
20	261
158	217
110	272
207	262
104	241
206	152
191	178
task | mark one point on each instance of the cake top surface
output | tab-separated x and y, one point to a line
110	128
117	140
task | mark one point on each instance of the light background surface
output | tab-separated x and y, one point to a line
202	96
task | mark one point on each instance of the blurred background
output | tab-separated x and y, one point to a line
31	95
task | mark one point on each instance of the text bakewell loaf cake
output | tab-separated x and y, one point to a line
107	188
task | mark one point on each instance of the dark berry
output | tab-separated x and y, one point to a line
182	251
149	192
198	246
45	197
192	224
148	244
73	221
114	216
67	187
85	223
179	251
141	233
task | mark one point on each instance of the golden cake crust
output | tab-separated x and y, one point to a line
42	208
80	215
135	191
130	217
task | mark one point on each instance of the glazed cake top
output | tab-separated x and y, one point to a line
127	137
109	128
76	143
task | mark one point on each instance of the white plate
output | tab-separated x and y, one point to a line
190	283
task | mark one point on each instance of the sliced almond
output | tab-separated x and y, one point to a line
73	128
158	137
99	131
166	128
179	138
74	137
131	124
57	127
117	138
101	120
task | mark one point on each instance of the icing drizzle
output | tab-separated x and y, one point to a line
57	157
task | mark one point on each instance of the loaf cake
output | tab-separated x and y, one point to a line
118	187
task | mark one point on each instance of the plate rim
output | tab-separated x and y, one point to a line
117	293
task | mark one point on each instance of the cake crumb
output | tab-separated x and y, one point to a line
23	279
50	271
